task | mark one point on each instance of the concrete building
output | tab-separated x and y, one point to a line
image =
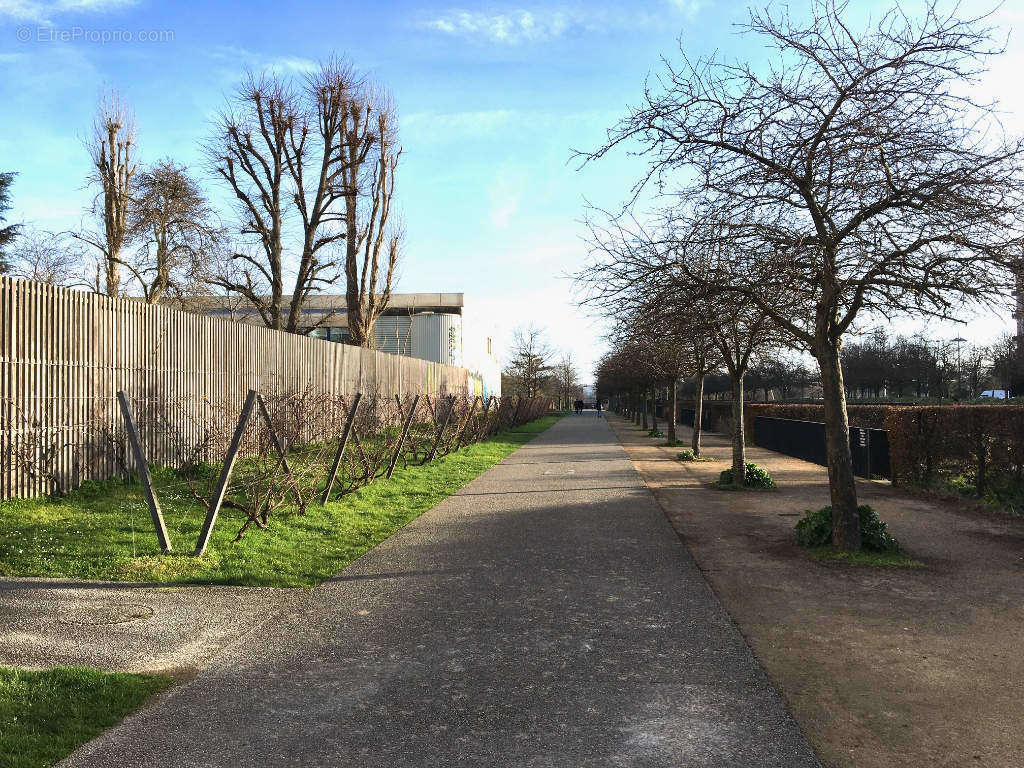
440	327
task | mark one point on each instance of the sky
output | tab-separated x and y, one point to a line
492	98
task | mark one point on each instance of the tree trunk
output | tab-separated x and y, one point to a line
638	409
845	519
673	410
654	410
698	415
644	403
739	450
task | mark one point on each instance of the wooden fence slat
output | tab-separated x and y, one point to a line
65	353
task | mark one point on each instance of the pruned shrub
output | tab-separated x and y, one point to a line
815	530
753	477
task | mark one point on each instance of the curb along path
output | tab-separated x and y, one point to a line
546	615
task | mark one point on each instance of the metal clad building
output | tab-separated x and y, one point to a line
438	327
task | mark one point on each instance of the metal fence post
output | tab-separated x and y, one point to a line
143	469
405	431
341	447
225	474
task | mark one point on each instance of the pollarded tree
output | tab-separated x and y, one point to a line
859	171
248	153
319	155
373	240
113	149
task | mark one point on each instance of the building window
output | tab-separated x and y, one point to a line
330	333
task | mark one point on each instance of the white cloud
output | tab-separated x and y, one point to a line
505	193
43	12
446	125
689	8
510	27
522	25
243	58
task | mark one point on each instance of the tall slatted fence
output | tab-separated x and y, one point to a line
64	355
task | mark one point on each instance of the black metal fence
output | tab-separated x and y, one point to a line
806	440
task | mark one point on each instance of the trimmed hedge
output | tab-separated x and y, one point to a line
982	443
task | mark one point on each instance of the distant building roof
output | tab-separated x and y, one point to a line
333	303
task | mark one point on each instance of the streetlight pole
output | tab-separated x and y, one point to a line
959	366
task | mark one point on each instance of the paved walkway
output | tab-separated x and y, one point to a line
546	615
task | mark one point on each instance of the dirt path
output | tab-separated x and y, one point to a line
881	667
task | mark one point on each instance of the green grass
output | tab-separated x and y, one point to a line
893	559
688	455
46	715
103	531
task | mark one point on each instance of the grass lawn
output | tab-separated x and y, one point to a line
103	531
46	715
895	559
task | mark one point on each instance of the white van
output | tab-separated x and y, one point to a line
995	394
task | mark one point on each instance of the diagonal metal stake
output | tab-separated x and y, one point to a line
462	430
485	426
142	467
279	449
405	432
440	432
341	447
225	474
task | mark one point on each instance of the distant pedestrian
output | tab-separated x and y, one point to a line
578	407
598	406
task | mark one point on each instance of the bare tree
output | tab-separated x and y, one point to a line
173	225
112	148
46	257
324	152
317	163
373	241
569	388
249	154
859	172
529	363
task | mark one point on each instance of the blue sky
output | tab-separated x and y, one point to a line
491	96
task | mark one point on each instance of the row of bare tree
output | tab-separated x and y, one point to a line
854	178
535	369
310	165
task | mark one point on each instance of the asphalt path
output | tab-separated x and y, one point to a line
545	615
